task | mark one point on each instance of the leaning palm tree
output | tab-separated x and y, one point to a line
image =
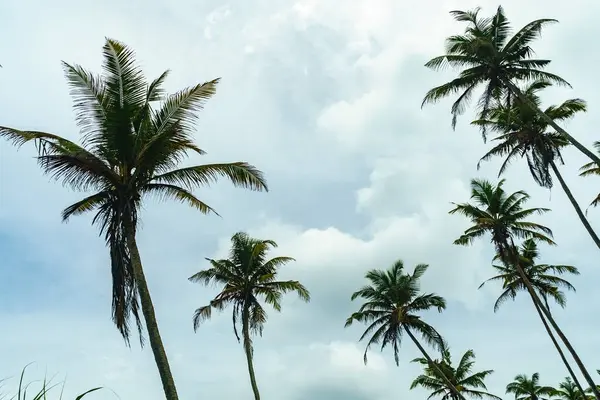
525	388
247	276
503	216
592	169
568	390
545	281
488	56
467	383
392	304
134	138
524	134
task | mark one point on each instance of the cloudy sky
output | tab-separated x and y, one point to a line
325	99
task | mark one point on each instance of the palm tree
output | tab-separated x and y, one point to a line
469	384
247	276
487	56
503	216
392	304
131	149
592	169
545	281
568	390
529	389
524	134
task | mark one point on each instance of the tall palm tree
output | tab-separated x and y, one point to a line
247	276
487	56
568	390
545	281
466	382
392	303
524	134
525	388
134	137
592	169
503	216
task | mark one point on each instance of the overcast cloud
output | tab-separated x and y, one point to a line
325	99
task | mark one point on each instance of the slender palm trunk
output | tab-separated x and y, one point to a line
509	253
517	92
248	351
580	214
560	352
158	349
433	365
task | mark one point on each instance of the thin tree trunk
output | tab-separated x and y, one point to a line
580	214
517	92
510	250
248	351
158	349
434	366
560	352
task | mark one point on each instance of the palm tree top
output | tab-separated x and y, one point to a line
500	214
488	55
525	388
468	383
592	168
522	132
247	276
133	138
392	302
543	277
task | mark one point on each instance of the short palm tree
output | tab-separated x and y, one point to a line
467	383
503	216
247	277
488	56
592	169
568	390
525	388
522	133
544	279
134	138
392	303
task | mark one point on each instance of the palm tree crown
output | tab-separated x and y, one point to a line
543	277
500	214
468	384
568	390
525	388
592	168
522	133
134	138
246	276
392	304
489	56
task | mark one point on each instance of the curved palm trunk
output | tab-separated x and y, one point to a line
433	365
517	92
509	252
580	214
560	352
160	356
248	351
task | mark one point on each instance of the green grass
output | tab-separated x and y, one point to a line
26	392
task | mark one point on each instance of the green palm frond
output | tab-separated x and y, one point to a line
246	278
174	192
499	214
467	383
241	174
543	277
392	300
523	134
